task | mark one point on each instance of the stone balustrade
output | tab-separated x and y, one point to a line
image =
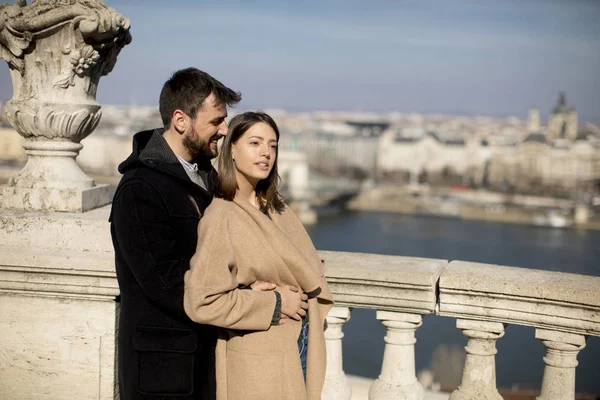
564	308
402	290
58	313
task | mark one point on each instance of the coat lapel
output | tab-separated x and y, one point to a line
300	266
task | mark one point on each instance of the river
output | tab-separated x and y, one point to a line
439	343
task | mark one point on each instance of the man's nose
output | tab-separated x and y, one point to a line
223	129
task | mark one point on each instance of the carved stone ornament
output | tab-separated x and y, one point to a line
57	50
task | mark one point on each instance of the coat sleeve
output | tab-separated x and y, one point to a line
212	293
145	238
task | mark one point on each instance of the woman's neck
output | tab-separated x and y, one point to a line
246	190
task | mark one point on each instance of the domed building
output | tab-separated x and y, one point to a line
562	123
561	155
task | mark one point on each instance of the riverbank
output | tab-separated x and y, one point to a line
477	205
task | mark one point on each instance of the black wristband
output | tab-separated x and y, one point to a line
277	312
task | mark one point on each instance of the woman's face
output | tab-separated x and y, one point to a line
254	153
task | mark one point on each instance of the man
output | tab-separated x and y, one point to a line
167	183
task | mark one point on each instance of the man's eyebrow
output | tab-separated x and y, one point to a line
219	118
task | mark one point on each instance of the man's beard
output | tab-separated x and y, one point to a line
201	148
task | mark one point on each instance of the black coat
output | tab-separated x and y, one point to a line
162	354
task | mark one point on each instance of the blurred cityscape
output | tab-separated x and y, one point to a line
506	146
527	170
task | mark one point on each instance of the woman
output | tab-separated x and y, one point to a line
249	234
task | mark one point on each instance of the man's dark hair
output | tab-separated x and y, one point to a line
187	89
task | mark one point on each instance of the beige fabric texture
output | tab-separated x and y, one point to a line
238	245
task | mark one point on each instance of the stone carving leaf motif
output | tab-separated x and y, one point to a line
57	124
81	61
100	32
59	50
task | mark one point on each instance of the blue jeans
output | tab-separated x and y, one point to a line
303	344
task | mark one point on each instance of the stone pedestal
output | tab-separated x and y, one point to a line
55	199
51	180
336	385
479	374
397	379
560	363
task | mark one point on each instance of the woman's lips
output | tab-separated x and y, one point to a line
263	166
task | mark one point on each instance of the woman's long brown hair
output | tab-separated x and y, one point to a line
266	189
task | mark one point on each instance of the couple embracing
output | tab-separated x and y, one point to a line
223	294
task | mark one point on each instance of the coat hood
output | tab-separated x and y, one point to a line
151	150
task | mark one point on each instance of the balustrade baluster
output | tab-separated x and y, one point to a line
336	385
560	363
397	379
479	374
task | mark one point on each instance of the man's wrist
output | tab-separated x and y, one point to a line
277	311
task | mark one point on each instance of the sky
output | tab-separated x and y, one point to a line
466	57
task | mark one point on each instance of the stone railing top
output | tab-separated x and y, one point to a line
561	287
391	283
383	268
543	299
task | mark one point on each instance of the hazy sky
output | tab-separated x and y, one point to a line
463	57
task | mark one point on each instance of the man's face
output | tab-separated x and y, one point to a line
206	129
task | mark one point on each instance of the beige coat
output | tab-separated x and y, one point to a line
237	245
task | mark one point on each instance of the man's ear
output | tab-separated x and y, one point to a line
179	121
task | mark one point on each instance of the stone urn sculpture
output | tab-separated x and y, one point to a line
57	50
